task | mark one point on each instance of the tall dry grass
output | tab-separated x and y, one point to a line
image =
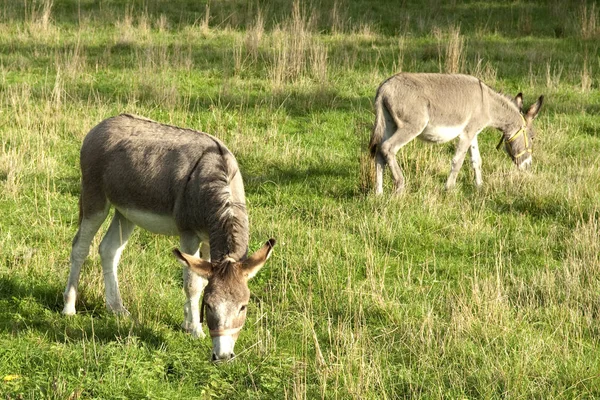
451	47
132	27
254	35
297	52
589	20
38	14
586	75
485	71
554	73
338	17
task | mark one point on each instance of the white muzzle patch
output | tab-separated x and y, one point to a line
223	347
525	164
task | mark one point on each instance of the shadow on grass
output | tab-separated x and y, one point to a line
542	208
30	306
333	181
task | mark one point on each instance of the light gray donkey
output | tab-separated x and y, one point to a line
438	108
170	181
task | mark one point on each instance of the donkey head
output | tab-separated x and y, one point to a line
519	144
226	295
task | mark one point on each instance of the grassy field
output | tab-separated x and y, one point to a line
464	294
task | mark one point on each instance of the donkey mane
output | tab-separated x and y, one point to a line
226	269
509	102
226	216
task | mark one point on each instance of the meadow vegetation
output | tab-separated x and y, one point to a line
491	293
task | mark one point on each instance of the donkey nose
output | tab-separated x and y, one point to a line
525	164
222	357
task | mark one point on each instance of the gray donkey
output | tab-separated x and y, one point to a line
438	108
171	181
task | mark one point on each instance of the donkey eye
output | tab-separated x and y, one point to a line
242	308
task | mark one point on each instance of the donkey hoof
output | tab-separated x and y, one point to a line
69	310
398	191
194	329
118	310
198	333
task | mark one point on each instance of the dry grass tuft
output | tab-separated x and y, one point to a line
553	74
295	51
204	24
586	75
162	24
131	29
485	71
454	51
366	174
589	26
10	172
451	46
338	17
318	62
40	13
399	63
254	36
238	57
73	60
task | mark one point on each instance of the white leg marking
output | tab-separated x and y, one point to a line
476	162
111	247
80	250
379	169
193	286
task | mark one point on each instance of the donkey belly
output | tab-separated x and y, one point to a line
156	223
441	134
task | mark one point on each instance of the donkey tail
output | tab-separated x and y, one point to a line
379	127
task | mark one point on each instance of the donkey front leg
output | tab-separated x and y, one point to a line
193	285
110	250
79	252
459	157
476	162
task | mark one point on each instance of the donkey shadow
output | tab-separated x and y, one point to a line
25	307
323	181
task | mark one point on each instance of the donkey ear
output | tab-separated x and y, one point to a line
198	265
535	108
519	101
255	262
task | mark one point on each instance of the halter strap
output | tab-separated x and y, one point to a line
223	332
521	131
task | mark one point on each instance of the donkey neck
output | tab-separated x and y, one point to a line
228	231
504	114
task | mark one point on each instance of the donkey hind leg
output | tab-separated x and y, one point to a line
390	147
88	227
464	143
193	286
110	250
379	169
476	162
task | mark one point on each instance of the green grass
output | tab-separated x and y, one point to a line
463	294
